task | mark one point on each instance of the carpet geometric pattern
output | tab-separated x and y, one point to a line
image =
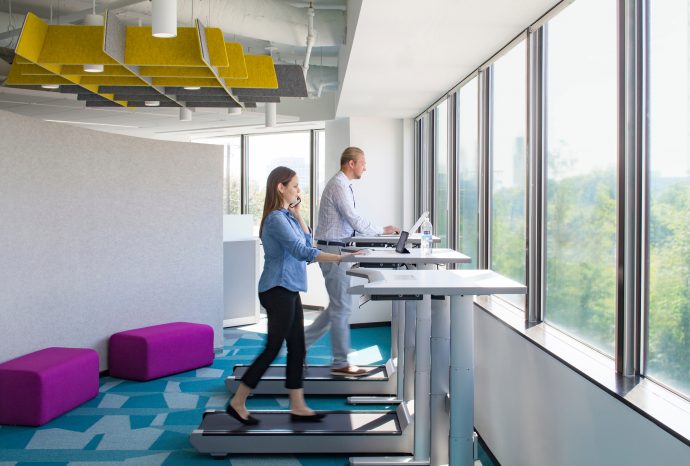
148	423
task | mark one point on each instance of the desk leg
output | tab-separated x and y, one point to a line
461	380
440	383
395	320
422	365
408	368
422	381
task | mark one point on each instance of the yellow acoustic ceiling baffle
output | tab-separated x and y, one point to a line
261	73
137	64
60	50
237	65
175	71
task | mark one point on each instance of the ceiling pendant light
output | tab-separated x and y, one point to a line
164	18
94	20
192	88
50	86
270	114
152	103
185	114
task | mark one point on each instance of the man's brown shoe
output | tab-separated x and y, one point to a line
349	371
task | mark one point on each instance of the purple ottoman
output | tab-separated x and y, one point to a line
40	386
151	352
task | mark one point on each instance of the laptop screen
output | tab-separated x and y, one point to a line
414	227
419	222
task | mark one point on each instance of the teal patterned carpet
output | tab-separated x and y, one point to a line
148	423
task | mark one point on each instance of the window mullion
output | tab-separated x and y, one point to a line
536	172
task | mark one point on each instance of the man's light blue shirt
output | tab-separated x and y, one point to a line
287	249
338	218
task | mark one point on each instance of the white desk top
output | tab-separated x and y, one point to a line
415	238
436	282
389	256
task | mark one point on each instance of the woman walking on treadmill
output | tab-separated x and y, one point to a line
287	243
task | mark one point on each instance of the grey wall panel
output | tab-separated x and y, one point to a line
100	233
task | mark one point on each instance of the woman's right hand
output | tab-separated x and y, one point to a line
361	252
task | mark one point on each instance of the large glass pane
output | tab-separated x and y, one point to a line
267	151
581	177
320	157
468	171
440	210
668	356
508	172
232	166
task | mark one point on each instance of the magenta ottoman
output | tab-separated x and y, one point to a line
151	352
40	386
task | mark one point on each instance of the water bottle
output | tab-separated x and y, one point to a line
427	238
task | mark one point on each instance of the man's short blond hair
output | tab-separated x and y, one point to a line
351	153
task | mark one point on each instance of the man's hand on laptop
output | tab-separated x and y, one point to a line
391	230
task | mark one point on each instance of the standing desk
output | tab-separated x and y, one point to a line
402	315
382	380
461	286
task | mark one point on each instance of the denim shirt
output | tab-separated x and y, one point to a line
287	249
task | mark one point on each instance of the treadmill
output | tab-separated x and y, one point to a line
360	432
381	384
339	432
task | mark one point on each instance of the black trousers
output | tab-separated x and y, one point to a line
285	323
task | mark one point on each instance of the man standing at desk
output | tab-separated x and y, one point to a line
338	219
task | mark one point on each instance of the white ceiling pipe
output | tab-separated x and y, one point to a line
332	85
271	110
275	21
318	7
164	18
311	38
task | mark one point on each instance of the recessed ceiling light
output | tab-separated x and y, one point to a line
192	88
50	86
152	103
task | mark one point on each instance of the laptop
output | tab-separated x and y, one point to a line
414	227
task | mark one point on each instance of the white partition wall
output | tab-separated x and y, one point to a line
101	233
379	194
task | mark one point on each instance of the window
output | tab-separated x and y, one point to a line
668	353
267	151
422	165
508	171
232	168
467	172
581	155
320	160
440	210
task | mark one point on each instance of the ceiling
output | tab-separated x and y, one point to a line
382	58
